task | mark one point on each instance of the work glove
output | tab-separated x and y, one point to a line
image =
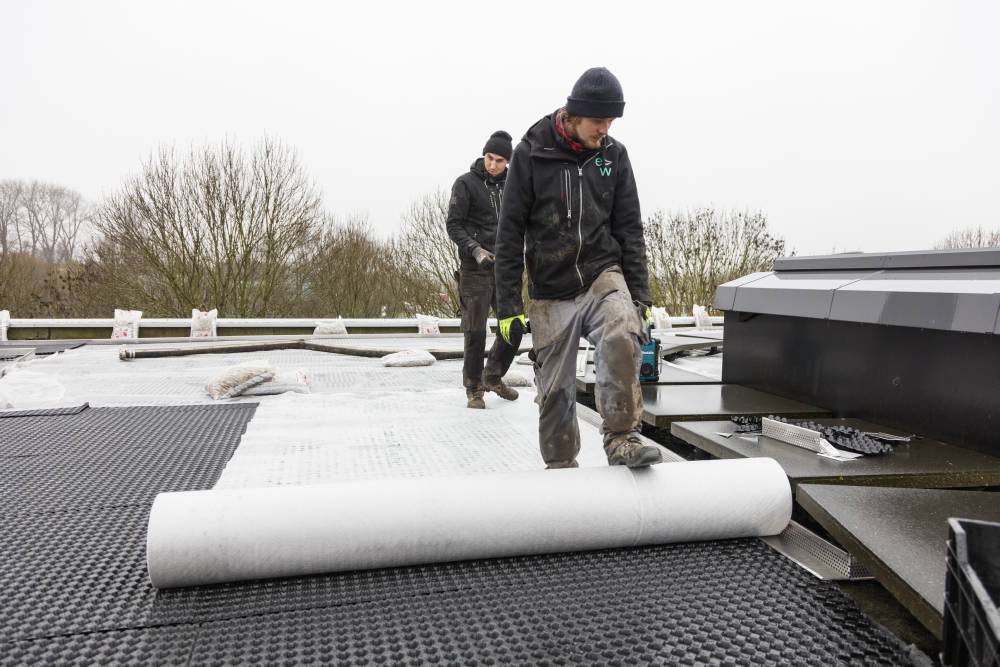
516	324
646	318
482	256
645	314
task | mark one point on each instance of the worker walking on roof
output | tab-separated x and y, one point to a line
571	210
473	214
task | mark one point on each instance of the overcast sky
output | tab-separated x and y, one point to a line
853	125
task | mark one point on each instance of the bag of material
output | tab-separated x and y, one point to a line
4	324
330	328
661	319
427	325
283	382
235	380
126	323
203	323
408	358
701	318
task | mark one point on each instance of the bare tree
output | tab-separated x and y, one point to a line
430	257
10	212
970	237
223	228
690	254
355	273
42	219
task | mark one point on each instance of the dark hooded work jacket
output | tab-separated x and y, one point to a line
474	211
569	216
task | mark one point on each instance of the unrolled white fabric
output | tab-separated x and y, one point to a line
208	537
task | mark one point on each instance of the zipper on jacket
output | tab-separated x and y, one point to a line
568	189
579	223
492	200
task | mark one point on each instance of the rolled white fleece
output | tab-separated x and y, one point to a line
215	536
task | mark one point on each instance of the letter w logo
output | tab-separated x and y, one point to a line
605	171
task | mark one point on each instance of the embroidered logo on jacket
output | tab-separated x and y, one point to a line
603	166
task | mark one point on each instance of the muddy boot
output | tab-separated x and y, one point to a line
497	386
632	452
475	397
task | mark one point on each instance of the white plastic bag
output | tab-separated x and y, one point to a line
408	358
330	328
4	323
701	319
203	323
661	319
427	325
126	323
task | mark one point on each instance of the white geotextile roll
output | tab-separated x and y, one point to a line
208	537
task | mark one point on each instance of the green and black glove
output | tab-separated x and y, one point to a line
517	325
646	318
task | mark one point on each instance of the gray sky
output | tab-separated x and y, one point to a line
854	125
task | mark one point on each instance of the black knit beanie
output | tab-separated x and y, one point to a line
499	144
596	94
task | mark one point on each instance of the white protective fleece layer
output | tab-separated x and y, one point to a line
207	537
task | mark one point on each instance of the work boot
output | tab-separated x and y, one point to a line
632	452
497	386
562	464
475	397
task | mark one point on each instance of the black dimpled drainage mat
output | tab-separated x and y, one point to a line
170	645
71	573
111	430
119	456
45	412
625	619
76	588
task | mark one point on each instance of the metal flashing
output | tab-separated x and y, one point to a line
916	259
802	294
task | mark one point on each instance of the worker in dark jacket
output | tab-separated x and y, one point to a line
571	211
473	214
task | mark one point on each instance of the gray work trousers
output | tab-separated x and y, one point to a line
606	316
476	294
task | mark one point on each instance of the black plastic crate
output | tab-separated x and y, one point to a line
972	589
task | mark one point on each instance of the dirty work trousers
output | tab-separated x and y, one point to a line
476	294
606	316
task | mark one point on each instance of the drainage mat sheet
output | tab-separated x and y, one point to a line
107	457
74	573
77	590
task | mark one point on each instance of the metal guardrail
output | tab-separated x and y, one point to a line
269	323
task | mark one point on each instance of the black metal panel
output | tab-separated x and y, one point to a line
941	384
